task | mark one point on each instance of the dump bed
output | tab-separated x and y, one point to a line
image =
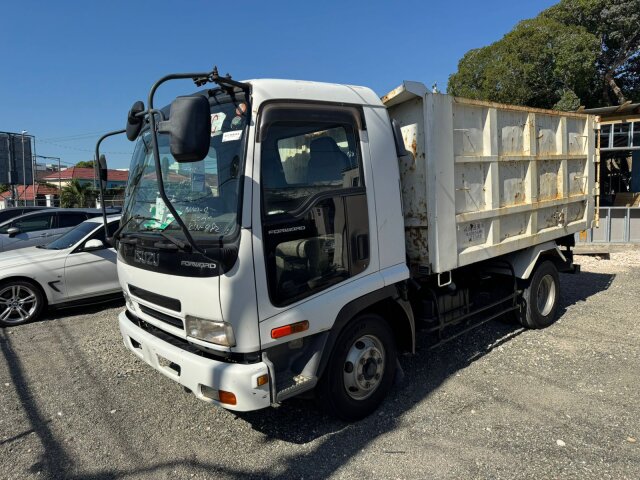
485	179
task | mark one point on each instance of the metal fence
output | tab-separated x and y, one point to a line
617	225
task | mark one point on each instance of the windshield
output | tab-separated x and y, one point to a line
205	194
73	236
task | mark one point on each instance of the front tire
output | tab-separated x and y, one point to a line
541	297
20	302
361	369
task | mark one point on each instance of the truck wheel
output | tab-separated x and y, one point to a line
540	297
361	369
20	302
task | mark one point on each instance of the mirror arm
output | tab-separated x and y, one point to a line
96	166
196	77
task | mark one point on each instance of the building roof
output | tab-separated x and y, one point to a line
80	173
28	193
626	108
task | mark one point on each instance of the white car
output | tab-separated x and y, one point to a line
41	227
77	266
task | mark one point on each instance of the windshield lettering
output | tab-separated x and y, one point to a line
205	194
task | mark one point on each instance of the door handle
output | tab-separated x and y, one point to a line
362	246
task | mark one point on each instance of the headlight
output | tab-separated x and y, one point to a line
214	331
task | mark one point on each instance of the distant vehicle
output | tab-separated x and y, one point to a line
41	227
77	266
13	212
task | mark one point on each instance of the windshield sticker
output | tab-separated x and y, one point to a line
217	119
197	182
232	136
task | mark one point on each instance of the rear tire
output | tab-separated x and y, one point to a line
361	369
541	297
21	301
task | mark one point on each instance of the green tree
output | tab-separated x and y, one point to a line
75	195
85	164
3	187
578	52
616	25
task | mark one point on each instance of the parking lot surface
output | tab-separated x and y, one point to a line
499	402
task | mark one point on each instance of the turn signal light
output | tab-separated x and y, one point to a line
263	380
290	329
227	397
218	395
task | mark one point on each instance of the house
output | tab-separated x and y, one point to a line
619	154
25	196
86	176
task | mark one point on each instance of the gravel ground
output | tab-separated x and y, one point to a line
499	403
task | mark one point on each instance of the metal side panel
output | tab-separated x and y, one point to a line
529	181
489	179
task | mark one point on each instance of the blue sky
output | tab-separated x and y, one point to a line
72	69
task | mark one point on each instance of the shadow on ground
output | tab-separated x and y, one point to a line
88	308
299	421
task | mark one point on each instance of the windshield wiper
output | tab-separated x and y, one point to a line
185	247
116	234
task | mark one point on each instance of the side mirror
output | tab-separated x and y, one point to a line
13	231
93	244
189	126
134	122
102	165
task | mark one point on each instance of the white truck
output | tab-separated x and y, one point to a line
285	236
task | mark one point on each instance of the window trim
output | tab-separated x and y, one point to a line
357	112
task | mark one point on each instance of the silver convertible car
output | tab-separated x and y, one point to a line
78	266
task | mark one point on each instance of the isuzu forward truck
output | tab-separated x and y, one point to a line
281	237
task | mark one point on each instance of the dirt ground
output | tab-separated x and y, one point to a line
499	402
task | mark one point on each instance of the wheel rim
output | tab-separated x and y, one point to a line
546	295
17	303
364	367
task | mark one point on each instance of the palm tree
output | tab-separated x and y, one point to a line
75	195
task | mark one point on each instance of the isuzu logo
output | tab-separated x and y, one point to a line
146	258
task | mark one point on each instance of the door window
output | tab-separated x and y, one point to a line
34	223
315	216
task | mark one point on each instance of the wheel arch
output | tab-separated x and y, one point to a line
525	261
386	302
33	281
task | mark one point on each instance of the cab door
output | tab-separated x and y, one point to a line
315	218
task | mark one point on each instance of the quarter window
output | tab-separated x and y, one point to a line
71	219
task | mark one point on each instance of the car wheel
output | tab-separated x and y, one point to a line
20	302
361	369
540	298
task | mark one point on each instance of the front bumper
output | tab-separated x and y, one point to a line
195	371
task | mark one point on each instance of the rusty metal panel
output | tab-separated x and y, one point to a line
549	180
487	179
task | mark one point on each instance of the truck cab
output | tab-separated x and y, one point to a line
297	209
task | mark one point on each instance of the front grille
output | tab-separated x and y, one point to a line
166	302
163	317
